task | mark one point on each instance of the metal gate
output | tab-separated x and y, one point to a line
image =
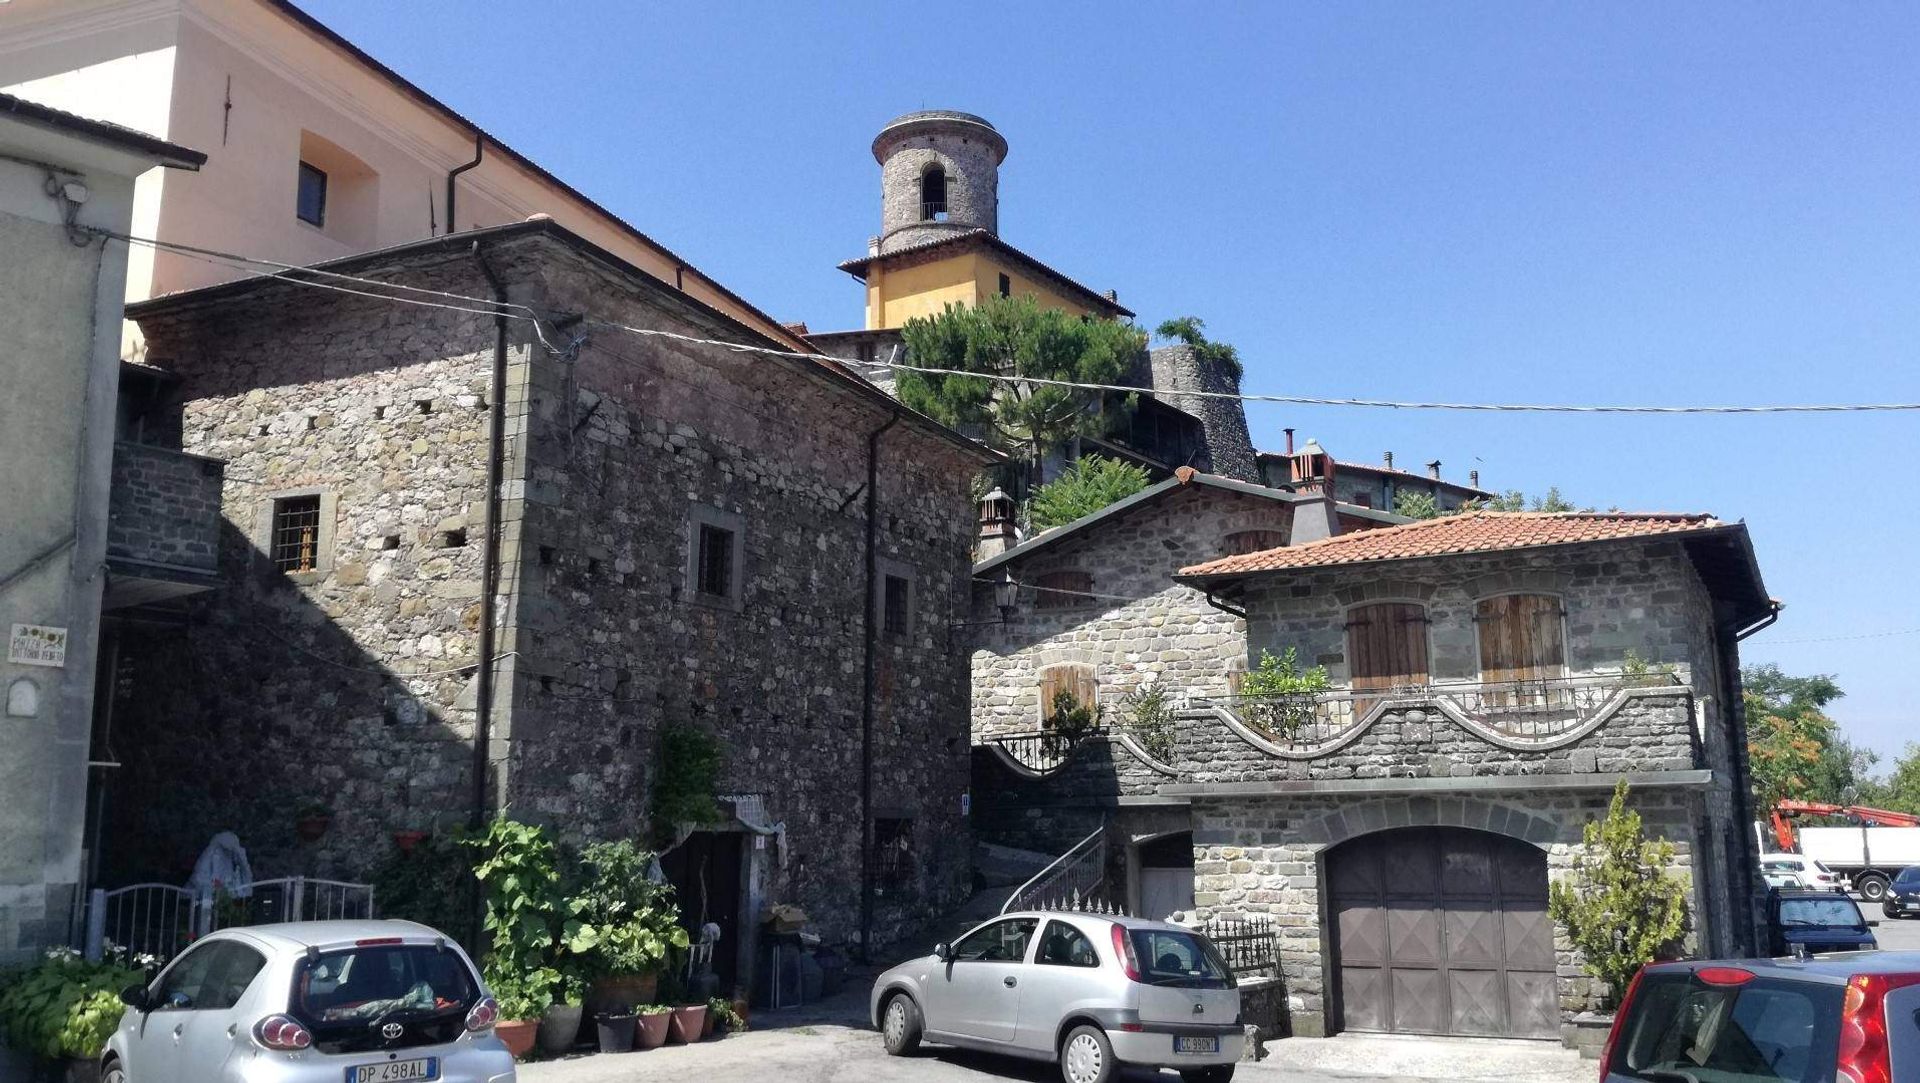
160	920
1442	931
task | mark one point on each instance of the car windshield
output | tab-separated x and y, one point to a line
356	987
1909	877
1681	1030
1822	866
1170	957
1836	910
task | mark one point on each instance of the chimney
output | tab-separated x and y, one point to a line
873	246
997	530
1389	460
1314	519
1433	469
1473	478
1289	433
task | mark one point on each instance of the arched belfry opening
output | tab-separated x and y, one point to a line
933	194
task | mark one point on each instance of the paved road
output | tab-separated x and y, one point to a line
829	1044
1894	934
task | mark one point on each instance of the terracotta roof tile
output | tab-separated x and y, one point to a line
1469	532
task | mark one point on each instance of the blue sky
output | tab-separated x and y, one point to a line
1682	204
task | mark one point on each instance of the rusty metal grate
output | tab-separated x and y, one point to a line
296	534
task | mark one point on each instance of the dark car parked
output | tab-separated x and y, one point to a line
1846	1018
1817	921
1903	895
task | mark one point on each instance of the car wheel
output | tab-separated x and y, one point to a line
900	1025
1087	1057
114	1074
1219	1073
1871	888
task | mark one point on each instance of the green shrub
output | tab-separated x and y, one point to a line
519	876
684	783
433	885
1288	689
619	921
1620	906
1150	720
63	1006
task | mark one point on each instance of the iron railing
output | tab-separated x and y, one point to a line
1075	876
1248	942
1043	750
1534	711
160	920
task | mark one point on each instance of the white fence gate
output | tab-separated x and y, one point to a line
161	919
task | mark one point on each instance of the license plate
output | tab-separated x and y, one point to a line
1207	1044
395	1071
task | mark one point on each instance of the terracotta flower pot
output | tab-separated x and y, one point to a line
689	1023
310	828
653	1029
407	840
518	1034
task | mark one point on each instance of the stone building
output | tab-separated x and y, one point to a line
1369	485
939	244
761	548
1492	677
68	547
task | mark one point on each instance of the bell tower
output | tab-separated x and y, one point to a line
939	177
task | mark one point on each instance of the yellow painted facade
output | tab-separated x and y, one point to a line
967	278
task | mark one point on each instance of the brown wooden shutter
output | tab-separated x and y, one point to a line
1520	638
1387	645
1078	680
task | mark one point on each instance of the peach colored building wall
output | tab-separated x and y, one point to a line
165	67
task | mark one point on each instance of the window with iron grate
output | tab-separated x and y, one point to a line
892	851
896	598
715	576
295	544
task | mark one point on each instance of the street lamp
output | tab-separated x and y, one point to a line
1006	597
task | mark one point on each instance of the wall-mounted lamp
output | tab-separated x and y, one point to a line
1006	597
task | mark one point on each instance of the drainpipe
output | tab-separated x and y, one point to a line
490	551
870	648
452	190
1744	812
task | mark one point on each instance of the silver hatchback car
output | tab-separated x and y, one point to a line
1090	991
312	1002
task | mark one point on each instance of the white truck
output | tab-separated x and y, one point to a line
1870	856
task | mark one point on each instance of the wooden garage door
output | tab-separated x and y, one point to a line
1442	931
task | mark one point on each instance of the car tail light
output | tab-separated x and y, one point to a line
1619	1025
484	1013
282	1033
377	941
1723	975
1864	1057
1123	951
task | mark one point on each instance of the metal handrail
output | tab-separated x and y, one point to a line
1057	866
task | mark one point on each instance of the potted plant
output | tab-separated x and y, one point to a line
520	880
560	1024
64	1009
616	1026
311	820
654	1021
724	1018
689	1023
407	839
622	925
519	1022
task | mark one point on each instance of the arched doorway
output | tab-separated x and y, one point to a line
1441	930
1163	875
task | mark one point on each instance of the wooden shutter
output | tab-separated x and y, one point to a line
1520	638
1387	645
1077	680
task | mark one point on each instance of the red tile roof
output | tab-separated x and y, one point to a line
1468	532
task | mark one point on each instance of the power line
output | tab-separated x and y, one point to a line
1838	639
287	273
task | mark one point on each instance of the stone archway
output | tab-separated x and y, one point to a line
1440	930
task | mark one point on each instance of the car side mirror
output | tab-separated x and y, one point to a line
1873	925
135	997
943	951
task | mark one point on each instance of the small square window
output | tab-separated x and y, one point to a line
295	544
714	576
1006	286
311	206
896	596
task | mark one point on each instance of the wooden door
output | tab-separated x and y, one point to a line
1387	645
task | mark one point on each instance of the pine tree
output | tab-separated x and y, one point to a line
1620	907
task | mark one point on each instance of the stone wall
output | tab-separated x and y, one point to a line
973	184
353	684
1266	855
164	507
1178	369
1140	626
1050	812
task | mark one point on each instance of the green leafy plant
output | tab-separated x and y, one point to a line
689	771
1091	483
519	875
63	1006
620	922
1640	673
1150	719
1070	722
1279	692
1415	505
1192	331
1620	906
432	884
725	1017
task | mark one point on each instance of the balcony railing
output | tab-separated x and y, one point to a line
1040	751
1524	712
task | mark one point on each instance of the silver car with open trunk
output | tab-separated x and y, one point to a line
1091	991
312	1002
